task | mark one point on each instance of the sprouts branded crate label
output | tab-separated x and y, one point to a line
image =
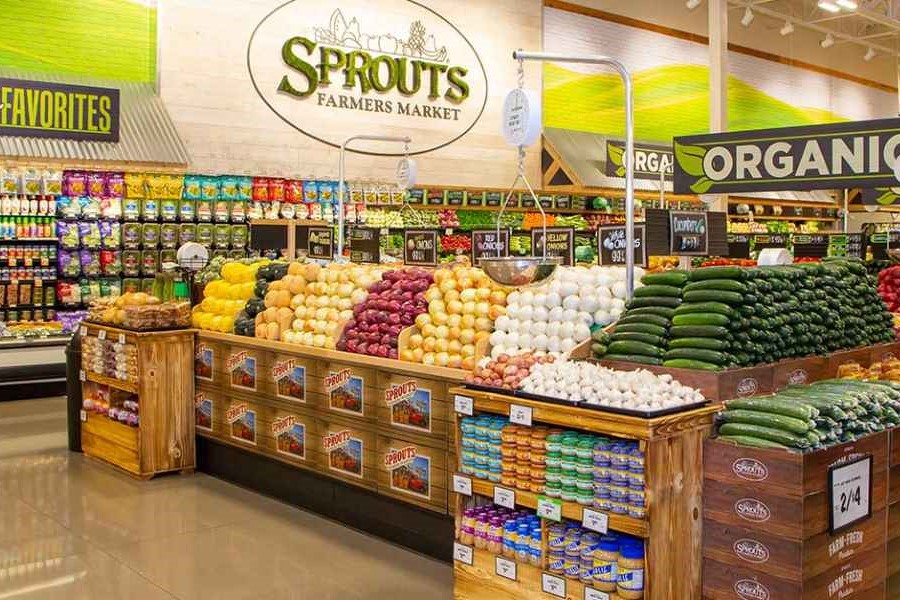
242	368
203	412
420	247
203	362
409	472
290	436
241	423
410	405
290	380
344	452
560	243
345	392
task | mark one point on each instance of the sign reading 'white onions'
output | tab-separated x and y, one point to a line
334	68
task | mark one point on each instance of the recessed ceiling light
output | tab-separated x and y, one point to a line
828	42
692	4
847	4
747	18
870	54
829	6
788	28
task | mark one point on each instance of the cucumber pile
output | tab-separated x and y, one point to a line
727	316
810	417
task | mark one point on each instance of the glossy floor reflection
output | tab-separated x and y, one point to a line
71	528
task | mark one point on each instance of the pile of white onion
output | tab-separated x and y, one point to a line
579	381
558	315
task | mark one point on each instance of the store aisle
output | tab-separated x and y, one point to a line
71	528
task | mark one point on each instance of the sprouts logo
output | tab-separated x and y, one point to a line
235	412
748	386
750	589
335	380
750	469
394	459
398	392
332	441
751	509
329	68
751	551
282	424
798	377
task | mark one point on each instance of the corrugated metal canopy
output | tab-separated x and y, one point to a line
146	132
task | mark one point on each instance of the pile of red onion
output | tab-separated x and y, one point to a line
506	371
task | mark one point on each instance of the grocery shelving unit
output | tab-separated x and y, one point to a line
673	446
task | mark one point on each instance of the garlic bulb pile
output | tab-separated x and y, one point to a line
558	315
579	381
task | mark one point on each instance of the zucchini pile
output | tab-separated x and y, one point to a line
811	417
728	316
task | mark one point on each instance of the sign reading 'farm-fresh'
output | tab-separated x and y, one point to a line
55	110
337	67
838	155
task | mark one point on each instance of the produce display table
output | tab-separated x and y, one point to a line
155	377
673	446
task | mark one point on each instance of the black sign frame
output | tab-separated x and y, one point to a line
703	249
640	249
310	243
536	235
410	233
357	253
831	470
475	233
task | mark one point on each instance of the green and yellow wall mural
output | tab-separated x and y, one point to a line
107	39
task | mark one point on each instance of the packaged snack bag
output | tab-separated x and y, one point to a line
111	207
150	209
168	235
115	185
205	234
276	189
135	185
96	184
150	236
238	210
74	183
69	264
131	208
90	263
222	237
244	188
187	232
205	210
157	186
228	187
68	234
51	182
131	284
209	187
89	234
192	187
384	195
111	262
310	191
31	181
131	263
9	181
68	207
370	194
222	210
110	234
260	189
239	234
90	207
187	210
355	192
174	186
149	262
131	235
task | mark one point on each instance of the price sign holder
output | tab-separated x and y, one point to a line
503	567
365	244
463	405
849	493
462	485
595	520
561	244
549	508
611	245
520	415
101	335
463	554
320	243
553	585
420	247
504	497
688	233
592	594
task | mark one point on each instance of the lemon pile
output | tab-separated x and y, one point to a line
224	298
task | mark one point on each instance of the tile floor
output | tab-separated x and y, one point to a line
71	528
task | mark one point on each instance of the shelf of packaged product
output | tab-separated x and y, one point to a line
565	211
783	218
26	306
304	222
111	382
792	203
570	510
860	208
44	240
8	215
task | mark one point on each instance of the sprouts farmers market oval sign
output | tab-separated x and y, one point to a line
333	69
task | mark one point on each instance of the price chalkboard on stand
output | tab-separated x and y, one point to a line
268	237
485	244
365	244
494	199
434	198
320	243
420	247
611	245
761	241
560	243
688	233
811	245
415	196
738	245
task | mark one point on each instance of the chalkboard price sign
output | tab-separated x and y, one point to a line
320	243
420	247
560	243
611	245
770	240
365	244
688	233
485	244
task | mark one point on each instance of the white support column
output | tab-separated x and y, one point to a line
718	79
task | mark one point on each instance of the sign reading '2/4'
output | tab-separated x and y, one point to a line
56	110
844	155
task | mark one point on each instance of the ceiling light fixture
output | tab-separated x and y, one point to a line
747	18
870	54
847	4
828	42
829	6
692	4
788	28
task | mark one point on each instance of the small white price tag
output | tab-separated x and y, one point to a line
463	553
463	405
462	485
82	331
553	585
505	568
520	415
121	338
592	594
83	415
504	497
101	335
595	520
82	375
850	487
547	508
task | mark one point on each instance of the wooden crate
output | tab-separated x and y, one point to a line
796	371
292	379
348	450
413	405
835	360
246	369
114	442
883	352
412	471
348	390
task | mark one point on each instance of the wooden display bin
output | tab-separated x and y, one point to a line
164	389
294	380
766	530
893	535
349	390
673	447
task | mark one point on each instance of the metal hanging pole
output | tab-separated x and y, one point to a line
341	184
629	140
